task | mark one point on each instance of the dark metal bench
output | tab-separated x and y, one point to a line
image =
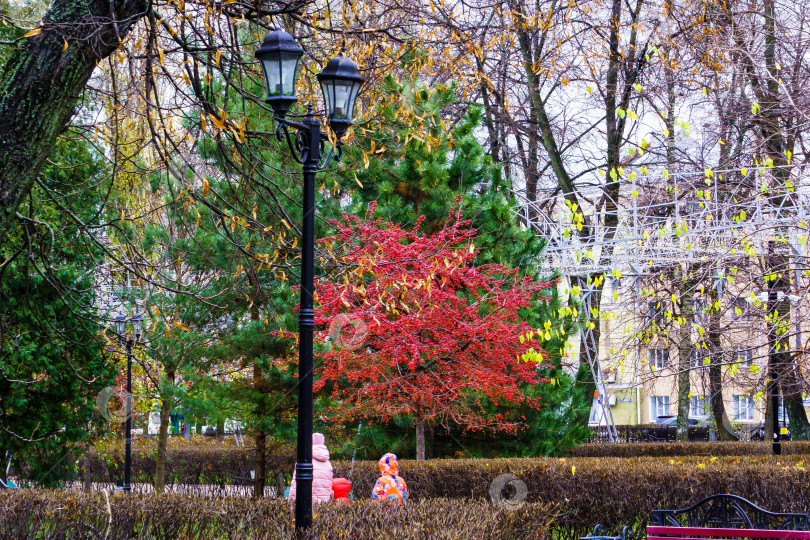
598	530
720	516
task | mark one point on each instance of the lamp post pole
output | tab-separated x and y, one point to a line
311	137
777	443
128	428
340	83
129	343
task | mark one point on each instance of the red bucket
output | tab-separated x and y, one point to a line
341	488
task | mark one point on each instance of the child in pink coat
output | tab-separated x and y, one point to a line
321	472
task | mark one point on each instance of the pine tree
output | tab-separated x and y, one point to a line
52	361
410	174
230	232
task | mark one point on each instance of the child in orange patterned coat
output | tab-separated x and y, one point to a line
390	486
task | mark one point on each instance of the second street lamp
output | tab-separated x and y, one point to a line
340	82
120	329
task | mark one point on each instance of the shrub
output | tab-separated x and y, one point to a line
614	491
669	449
647	433
192	466
44	514
611	491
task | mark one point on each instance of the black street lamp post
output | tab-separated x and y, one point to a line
340	82
777	443
126	340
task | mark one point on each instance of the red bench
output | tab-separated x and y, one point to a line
719	517
701	533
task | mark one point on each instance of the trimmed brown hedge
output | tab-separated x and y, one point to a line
54	515
614	491
648	433
190	465
670	449
611	491
228	465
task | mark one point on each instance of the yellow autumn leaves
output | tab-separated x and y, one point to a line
223	123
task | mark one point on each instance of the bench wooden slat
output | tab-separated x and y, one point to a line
704	532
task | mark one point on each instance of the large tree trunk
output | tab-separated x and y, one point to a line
420	439
684	357
716	399
162	443
792	392
722	424
86	477
259	431
770	388
40	85
260	465
259	461
780	361
538	107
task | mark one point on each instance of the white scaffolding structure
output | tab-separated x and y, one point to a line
661	227
111	286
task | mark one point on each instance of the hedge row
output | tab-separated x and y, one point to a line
647	433
611	491
231	467
54	515
192	465
669	449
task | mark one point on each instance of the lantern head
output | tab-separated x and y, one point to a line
279	55
340	82
137	325
120	324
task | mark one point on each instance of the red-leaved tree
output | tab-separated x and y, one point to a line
414	327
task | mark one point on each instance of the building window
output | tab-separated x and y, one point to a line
805	400
698	406
740	310
659	406
744	357
743	408
659	358
698	358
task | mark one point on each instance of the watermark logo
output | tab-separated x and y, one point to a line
113	404
348	332
508	491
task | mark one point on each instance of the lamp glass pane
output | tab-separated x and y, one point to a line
342	95
272	74
352	98
289	65
328	96
137	324
120	325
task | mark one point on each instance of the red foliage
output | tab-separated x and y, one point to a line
416	328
